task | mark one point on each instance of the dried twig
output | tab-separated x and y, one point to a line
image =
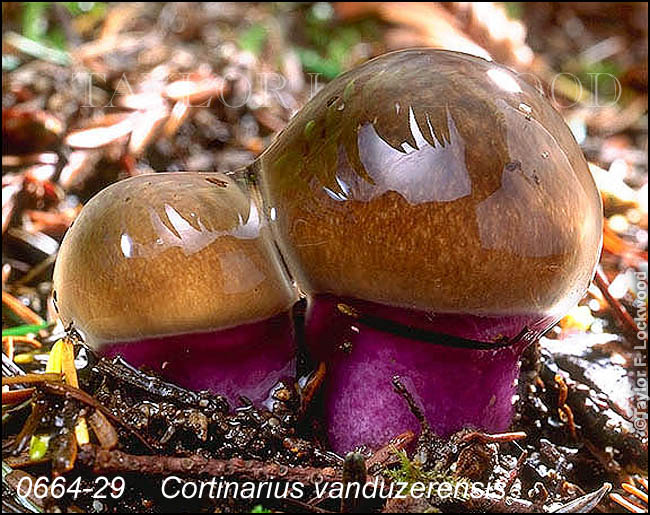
16	396
479	437
104	461
624	319
514	473
30	379
20	309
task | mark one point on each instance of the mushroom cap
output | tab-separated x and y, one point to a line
168	253
435	181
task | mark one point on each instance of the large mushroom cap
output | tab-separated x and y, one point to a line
438	181
168	254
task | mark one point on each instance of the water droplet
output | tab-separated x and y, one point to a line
346	347
546	154
527	110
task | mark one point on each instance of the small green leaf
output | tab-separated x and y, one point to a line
34	19
253	39
37	50
314	63
38	447
23	330
514	10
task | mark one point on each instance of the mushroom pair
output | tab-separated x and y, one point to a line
433	207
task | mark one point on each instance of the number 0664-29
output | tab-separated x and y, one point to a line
42	487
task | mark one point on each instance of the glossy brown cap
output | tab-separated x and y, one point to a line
438	181
166	254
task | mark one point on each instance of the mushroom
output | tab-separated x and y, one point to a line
440	216
177	272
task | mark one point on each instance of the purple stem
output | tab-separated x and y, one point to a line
455	387
246	360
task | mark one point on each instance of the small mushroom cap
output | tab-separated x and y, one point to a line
168	254
438	181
